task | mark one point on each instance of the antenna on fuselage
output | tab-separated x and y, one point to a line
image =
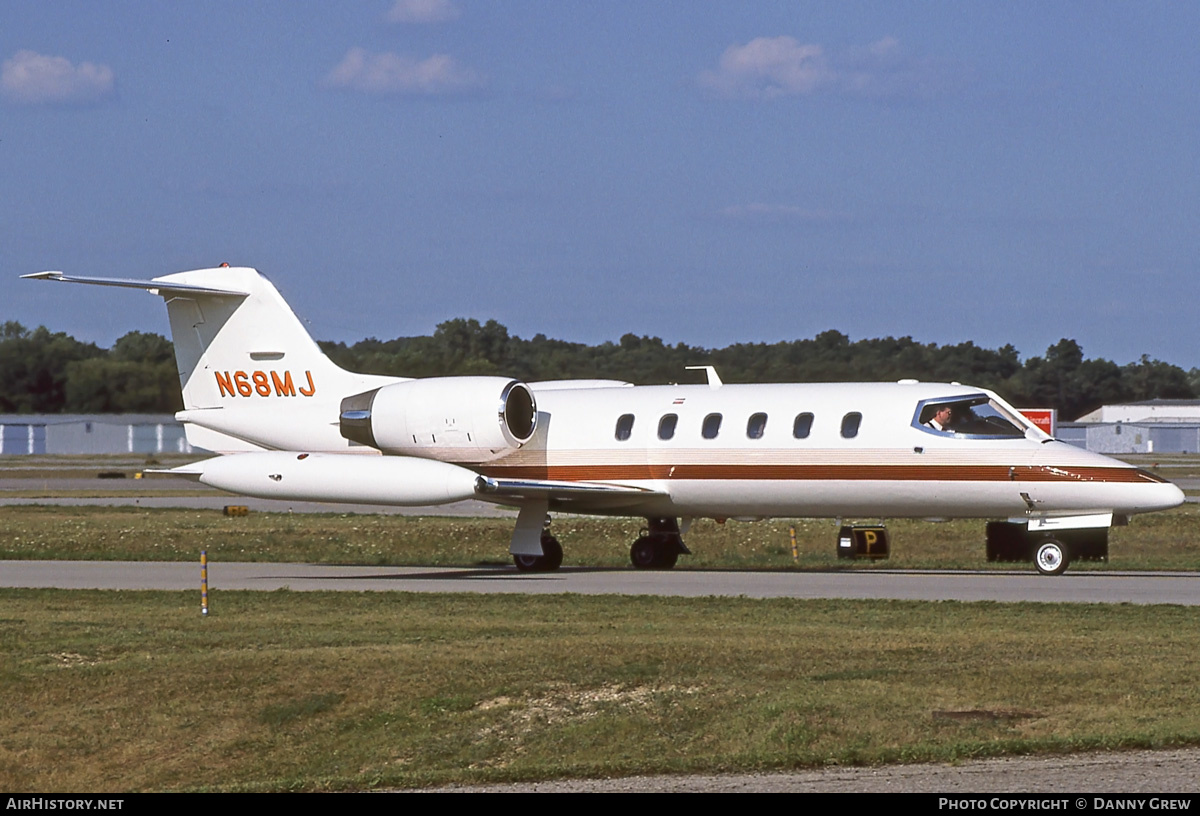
713	380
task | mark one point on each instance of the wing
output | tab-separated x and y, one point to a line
590	494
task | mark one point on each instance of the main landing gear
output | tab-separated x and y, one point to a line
660	546
548	561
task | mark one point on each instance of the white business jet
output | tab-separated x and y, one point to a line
292	425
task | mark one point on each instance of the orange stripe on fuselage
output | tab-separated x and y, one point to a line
905	473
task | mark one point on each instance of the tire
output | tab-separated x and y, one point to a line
1051	557
551	551
527	563
654	552
550	559
644	554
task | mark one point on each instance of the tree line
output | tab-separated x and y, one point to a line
46	372
51	372
1062	378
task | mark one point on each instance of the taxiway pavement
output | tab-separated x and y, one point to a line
1180	588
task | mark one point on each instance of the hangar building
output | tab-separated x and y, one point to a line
1152	426
91	433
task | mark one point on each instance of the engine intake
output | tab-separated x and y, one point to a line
454	419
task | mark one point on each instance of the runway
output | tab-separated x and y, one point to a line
1178	588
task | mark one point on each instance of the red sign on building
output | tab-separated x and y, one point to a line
1044	418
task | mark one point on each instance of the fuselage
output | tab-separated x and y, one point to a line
831	449
763	450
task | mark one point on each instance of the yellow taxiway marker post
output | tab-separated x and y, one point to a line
204	582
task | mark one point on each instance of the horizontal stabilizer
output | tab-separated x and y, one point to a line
193	471
157	287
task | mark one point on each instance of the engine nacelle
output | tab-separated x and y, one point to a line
453	419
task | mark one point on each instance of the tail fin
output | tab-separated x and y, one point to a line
244	346
247	366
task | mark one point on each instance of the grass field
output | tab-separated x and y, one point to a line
128	691
1161	541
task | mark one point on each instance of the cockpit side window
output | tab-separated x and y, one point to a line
941	416
972	415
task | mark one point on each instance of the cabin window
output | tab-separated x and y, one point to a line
711	426
666	426
850	423
624	427
756	426
802	427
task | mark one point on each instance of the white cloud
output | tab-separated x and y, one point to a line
885	48
32	78
768	67
422	11
771	67
390	73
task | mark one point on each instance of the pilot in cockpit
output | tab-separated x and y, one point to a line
941	419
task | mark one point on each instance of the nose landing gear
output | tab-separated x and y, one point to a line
1051	551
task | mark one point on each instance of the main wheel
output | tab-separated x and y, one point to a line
1051	557
528	563
654	552
550	559
644	553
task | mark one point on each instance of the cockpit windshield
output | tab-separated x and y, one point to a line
973	415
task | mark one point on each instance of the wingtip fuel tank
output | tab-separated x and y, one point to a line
365	479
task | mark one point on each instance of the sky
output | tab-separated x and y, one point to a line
705	172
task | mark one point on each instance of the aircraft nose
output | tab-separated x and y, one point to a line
1166	495
1151	493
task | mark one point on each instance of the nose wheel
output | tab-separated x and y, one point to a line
1051	557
